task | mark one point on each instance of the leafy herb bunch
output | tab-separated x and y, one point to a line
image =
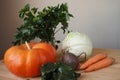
42	25
58	71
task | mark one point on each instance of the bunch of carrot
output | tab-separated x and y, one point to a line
97	62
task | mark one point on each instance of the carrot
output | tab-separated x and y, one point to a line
92	60
101	64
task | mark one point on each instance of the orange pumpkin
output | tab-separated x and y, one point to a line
26	63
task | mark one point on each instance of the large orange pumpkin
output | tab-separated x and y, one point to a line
26	63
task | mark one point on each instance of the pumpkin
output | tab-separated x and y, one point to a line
26	63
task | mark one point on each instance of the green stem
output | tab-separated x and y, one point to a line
57	30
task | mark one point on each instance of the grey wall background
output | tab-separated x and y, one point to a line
99	19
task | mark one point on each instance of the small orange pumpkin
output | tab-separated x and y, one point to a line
26	63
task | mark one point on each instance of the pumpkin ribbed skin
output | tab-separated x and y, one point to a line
48	48
26	63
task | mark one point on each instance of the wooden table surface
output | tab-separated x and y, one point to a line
109	73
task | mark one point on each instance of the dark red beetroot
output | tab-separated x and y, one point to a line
71	60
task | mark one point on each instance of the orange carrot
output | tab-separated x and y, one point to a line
101	64
92	60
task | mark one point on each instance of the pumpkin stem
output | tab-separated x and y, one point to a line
27	45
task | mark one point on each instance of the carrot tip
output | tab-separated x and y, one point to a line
113	59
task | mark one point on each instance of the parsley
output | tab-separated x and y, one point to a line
42	24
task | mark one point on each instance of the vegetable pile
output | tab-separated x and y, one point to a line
39	58
31	59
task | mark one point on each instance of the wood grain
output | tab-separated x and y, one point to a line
109	73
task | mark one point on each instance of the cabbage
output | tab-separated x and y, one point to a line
77	43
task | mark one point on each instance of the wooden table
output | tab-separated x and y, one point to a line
109	73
